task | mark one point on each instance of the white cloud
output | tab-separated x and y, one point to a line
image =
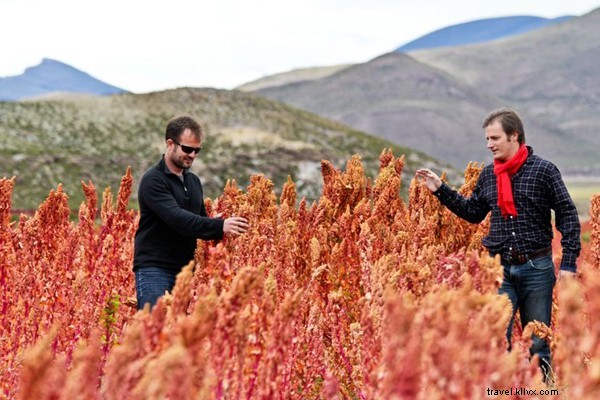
154	45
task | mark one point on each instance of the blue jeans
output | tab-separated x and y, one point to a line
151	283
529	288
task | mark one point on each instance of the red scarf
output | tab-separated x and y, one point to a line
504	172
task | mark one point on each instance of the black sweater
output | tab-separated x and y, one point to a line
172	218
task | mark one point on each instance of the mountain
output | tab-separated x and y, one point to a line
434	100
47	142
550	75
50	77
479	31
399	99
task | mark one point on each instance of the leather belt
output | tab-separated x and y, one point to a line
514	258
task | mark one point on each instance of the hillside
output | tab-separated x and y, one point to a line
50	77
435	100
47	142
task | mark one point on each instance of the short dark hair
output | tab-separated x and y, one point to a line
510	121
177	125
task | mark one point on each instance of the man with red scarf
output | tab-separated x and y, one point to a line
520	189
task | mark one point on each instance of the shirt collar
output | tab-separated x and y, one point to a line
163	166
529	153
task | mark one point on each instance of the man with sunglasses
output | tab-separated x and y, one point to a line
172	214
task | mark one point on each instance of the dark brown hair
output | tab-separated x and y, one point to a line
177	125
510	121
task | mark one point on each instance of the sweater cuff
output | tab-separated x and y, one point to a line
220	224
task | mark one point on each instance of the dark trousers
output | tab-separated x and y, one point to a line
529	288
151	283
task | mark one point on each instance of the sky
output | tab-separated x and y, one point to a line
147	45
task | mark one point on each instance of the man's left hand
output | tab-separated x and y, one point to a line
562	274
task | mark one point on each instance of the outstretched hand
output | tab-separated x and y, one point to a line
431	180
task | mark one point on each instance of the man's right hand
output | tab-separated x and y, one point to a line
431	180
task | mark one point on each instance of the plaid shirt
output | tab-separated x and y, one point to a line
537	189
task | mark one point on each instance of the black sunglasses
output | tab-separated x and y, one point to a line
187	149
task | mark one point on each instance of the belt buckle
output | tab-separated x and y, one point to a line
515	258
520	258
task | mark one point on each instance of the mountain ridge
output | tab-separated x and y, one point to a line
480	31
466	33
52	76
